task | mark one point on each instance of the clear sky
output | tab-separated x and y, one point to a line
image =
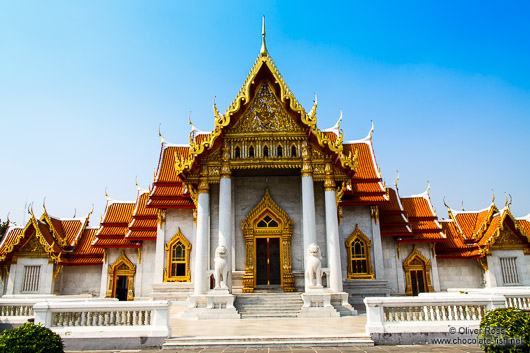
85	85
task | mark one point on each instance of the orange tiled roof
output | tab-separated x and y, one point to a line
524	222
144	220
168	190
118	215
422	218
366	183
115	243
475	245
394	221
76	250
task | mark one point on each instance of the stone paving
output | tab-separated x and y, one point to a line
353	349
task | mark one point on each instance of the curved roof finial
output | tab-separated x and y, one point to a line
462	205
8	221
136	182
75	212
263	51
371	130
428	186
160	134
446	204
493	200
107	194
313	112
44	204
397	178
91	210
508	203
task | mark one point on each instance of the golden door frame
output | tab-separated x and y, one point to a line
416	261
282	228
121	267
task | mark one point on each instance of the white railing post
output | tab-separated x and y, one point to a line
374	315
43	314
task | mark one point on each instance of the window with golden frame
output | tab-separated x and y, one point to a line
178	259
358	248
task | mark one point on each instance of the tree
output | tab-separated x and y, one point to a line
3	228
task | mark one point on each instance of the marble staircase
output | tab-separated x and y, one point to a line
268	305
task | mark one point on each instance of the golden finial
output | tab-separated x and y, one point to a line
263	50
462	205
154	174
216	111
445	203
160	134
508	203
75	212
371	130
89	213
136	182
106	194
313	111
493	200
397	178
44	204
428	186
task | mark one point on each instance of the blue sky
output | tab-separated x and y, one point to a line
85	85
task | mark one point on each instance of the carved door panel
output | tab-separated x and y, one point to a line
268	270
417	281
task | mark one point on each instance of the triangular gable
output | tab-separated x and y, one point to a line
263	70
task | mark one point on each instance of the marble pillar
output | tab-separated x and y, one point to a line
201	241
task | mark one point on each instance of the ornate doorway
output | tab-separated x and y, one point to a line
267	230
121	279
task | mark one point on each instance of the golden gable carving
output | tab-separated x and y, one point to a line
265	114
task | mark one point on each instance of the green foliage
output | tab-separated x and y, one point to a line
31	338
3	228
505	330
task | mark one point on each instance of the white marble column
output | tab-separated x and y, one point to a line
332	232
377	246
308	204
201	241
160	247
225	210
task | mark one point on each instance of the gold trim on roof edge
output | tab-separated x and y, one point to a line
348	162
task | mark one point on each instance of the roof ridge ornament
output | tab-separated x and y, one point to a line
493	200
160	134
397	178
263	51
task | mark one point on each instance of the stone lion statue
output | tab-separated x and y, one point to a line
313	273
221	267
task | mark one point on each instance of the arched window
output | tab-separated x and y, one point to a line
178	259
251	152
237	153
293	151
417	272
358	247
279	151
267	222
265	151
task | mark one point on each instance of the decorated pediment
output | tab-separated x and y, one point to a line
508	240
32	248
265	114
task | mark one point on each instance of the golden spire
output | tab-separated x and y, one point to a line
397	178
263	50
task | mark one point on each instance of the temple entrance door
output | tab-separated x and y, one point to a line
417	281
268	268
121	287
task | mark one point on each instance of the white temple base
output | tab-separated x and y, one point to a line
216	304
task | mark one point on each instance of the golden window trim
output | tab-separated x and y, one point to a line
169	258
358	234
127	270
409	266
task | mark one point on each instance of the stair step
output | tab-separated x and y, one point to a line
243	341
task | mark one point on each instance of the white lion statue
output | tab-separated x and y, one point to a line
313	273
221	267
